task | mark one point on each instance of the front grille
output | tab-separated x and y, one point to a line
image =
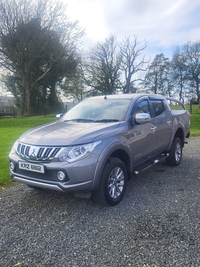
36	153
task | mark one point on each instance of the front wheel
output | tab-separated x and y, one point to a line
113	183
175	154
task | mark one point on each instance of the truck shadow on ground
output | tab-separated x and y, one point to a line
159	179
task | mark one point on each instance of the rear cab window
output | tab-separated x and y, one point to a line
175	105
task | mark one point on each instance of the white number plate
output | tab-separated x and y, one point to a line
31	167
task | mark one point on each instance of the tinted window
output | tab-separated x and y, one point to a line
143	107
158	107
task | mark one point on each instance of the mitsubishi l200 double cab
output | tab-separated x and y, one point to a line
96	146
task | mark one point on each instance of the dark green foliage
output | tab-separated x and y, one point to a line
39	50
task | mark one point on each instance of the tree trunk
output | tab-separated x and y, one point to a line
53	99
156	85
198	95
28	102
128	82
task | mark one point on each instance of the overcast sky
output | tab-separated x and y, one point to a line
164	24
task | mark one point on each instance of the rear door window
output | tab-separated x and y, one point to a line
158	107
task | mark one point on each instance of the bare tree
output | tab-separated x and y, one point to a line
132	62
179	72
156	76
103	68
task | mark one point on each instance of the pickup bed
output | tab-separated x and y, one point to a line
96	147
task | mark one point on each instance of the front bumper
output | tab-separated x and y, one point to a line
79	175
57	187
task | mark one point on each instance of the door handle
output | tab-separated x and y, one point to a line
153	128
169	122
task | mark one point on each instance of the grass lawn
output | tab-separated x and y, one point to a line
11	129
195	109
195	124
195	119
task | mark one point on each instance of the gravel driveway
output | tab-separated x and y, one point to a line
156	225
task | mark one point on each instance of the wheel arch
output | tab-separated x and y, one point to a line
121	152
124	157
178	132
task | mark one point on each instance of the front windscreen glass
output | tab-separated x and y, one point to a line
105	110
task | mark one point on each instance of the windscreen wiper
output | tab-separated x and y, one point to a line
80	120
107	120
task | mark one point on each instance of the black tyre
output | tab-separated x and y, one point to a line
175	154
113	183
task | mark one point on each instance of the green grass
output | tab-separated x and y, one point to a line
176	107
195	119
195	124
11	129
195	109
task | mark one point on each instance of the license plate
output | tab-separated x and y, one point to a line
31	167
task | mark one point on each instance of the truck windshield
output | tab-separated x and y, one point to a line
105	110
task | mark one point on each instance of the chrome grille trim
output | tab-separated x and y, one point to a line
36	153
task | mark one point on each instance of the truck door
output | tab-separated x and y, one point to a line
163	119
142	136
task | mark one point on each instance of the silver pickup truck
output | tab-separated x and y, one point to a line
96	147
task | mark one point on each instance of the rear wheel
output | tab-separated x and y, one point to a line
113	183
175	154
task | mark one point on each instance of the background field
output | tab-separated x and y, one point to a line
11	129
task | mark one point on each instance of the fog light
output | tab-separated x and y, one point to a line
12	166
61	175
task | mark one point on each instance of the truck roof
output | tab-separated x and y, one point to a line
127	96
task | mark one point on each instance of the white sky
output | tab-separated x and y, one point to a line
164	24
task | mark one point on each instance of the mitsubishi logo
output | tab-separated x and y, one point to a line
33	152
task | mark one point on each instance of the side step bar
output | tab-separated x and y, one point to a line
148	164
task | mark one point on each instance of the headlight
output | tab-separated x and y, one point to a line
71	154
14	148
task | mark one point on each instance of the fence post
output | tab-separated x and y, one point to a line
191	102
